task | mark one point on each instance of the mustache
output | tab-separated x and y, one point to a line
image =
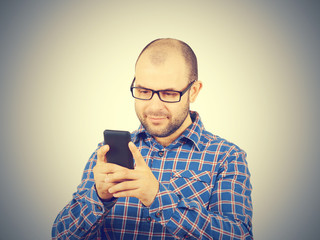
156	114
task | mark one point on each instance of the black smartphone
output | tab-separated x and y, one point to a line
119	152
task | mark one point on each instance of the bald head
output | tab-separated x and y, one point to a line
158	51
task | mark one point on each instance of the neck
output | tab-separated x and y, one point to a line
166	141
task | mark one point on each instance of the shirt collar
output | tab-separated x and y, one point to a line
191	134
194	131
141	132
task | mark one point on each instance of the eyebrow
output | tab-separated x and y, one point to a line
166	89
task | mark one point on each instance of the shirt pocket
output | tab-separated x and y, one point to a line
194	185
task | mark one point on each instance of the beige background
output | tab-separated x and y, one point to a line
66	67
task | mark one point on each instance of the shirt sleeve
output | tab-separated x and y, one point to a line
83	216
228	214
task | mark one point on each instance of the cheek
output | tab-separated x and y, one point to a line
139	107
174	110
180	110
136	106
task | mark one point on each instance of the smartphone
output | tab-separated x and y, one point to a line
119	152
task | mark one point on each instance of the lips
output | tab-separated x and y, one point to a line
157	119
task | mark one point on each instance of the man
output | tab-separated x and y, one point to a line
187	182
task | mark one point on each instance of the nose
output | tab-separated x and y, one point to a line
155	102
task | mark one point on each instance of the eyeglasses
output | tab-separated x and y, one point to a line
169	96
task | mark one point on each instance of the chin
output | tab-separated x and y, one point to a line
157	132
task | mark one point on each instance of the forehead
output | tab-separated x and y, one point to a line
162	71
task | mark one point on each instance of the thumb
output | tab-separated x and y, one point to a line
101	153
136	155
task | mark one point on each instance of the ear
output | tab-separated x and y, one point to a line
194	91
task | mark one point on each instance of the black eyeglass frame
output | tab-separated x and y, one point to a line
158	92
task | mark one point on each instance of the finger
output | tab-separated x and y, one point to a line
136	155
103	189
123	175
129	193
101	153
112	167
123	187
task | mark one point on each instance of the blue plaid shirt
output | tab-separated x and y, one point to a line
205	193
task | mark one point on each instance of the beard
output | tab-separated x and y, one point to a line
175	121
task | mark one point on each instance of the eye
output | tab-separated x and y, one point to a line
170	93
143	91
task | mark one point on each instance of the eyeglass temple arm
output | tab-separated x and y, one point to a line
134	79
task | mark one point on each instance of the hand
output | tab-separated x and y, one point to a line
139	183
100	174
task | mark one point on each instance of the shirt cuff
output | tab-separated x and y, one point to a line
105	205
90	211
163	205
108	204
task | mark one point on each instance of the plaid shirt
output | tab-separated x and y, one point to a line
204	193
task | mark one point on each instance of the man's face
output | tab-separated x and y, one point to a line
162	119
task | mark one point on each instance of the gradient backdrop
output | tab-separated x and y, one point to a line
66	68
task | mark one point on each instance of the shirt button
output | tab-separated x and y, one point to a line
160	153
99	208
148	219
158	214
